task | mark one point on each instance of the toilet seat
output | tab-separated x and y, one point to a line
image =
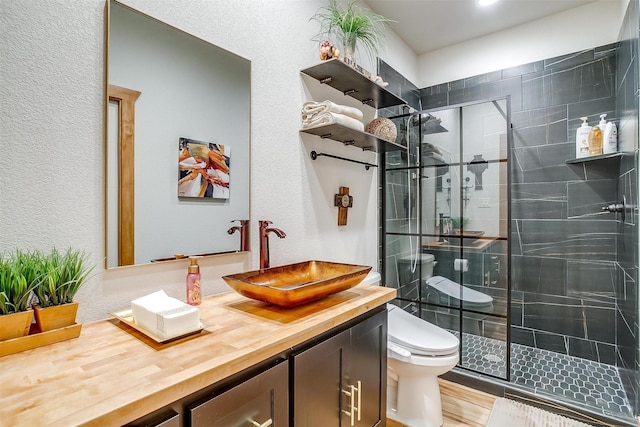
471	299
418	336
455	290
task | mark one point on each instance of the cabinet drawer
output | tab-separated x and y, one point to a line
260	401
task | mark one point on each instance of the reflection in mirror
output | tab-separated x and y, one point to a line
464	174
187	90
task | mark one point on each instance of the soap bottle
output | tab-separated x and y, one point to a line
610	138
595	141
582	139
194	296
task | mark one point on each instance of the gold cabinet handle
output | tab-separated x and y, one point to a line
359	409
353	406
264	424
352	396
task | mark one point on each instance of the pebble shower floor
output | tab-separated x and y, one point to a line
581	382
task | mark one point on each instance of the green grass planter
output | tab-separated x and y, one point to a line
61	275
18	279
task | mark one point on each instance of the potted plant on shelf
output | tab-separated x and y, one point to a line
61	275
353	26
18	277
459	222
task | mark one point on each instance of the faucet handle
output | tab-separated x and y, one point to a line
265	222
242	222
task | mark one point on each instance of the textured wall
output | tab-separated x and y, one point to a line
52	181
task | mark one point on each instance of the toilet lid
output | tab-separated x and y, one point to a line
453	289
423	258
419	336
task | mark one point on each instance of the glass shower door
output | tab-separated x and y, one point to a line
446	227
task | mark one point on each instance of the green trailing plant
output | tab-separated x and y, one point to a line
19	276
459	222
352	26
61	275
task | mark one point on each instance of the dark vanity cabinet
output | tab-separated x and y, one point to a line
260	401
337	378
341	380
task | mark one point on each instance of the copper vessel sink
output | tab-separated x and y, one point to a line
296	284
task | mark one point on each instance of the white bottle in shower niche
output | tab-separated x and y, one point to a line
610	138
582	139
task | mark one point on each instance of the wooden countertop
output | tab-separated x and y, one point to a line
113	374
478	245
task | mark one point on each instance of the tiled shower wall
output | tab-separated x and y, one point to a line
563	249
627	295
574	268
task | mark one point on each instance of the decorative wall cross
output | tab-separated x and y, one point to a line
343	201
477	166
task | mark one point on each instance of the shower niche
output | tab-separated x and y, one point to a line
446	225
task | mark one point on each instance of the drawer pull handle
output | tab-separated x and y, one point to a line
264	424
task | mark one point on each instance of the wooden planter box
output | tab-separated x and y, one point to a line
53	324
39	339
15	325
55	317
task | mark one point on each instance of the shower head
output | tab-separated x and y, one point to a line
430	124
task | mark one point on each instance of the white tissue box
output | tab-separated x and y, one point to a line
165	315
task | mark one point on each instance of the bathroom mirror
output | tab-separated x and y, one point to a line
177	142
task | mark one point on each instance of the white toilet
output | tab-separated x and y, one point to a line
418	351
449	293
444	292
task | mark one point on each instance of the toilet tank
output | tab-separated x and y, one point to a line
372	278
405	265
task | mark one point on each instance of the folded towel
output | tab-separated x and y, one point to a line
164	315
331	118
312	108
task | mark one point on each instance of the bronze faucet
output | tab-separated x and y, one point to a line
264	241
244	233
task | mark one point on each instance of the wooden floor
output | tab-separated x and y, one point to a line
461	406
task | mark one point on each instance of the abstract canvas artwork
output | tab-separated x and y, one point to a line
203	169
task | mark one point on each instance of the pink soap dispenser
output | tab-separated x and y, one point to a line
194	296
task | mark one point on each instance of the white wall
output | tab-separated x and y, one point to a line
51	127
594	24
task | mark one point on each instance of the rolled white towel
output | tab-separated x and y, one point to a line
323	119
312	108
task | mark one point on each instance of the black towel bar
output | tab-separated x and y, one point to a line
315	155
